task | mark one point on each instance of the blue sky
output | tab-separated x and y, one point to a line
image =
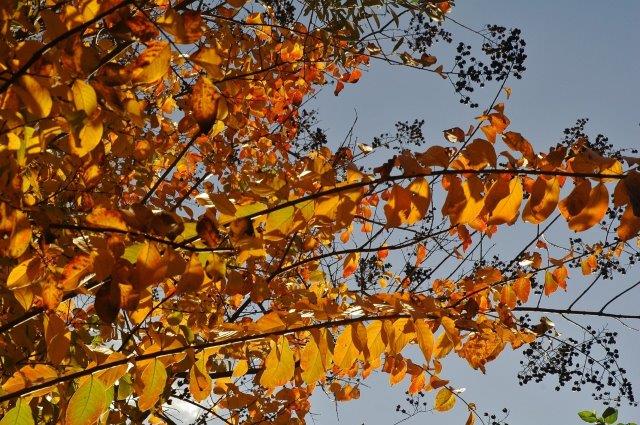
582	62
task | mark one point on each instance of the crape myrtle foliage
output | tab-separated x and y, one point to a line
163	237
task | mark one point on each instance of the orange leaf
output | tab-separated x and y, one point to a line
522	288
79	267
417	383
593	211
57	337
421	254
550	284
508	296
351	264
207	105
407	206
193	277
543	200
629	225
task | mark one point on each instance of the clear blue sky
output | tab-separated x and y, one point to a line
583	61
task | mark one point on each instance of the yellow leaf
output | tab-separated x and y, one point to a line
279	364
28	144
152	64
152	382
503	201
436	155
337	209
111	375
478	154
346	351
425	339
445	400
464	199
516	142
186	27
210	60
200	383
508	296
443	346
36	97
550	284
576	201
84	97
87	139
291	51
51	293
311	362
240	369
421	254
20	235
376	341
151	267
103	217
280	223
270	322
87	403
417	383
24	296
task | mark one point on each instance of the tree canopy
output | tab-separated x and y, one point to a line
174	227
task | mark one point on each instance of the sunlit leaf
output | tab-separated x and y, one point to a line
445	400
279	364
152	382
20	414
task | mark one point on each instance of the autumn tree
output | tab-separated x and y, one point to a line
174	227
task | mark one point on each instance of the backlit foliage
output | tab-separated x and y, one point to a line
172	227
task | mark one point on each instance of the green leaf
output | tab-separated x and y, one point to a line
19	415
87	403
131	252
588	416
610	415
